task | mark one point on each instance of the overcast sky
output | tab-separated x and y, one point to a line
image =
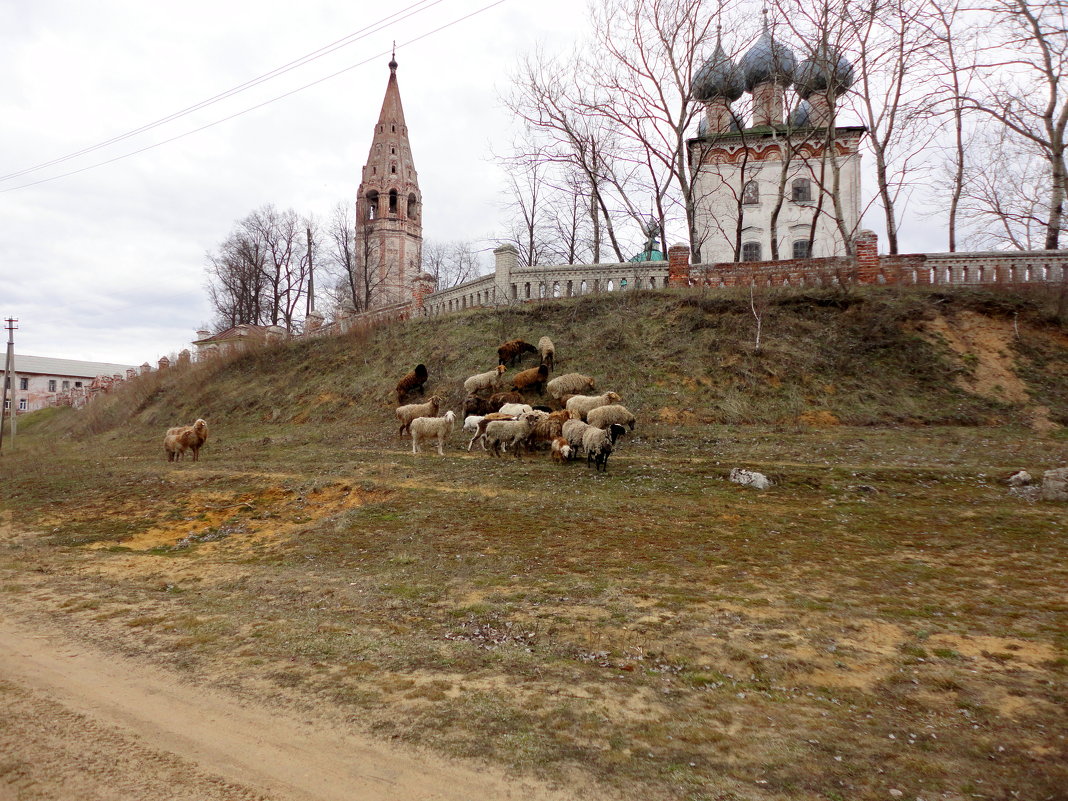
107	264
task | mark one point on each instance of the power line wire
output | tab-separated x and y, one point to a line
362	33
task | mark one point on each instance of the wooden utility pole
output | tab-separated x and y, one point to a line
311	277
8	367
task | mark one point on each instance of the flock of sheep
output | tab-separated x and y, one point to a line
498	416
496	412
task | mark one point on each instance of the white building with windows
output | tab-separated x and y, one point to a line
792	175
37	381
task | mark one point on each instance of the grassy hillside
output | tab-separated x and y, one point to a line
888	616
866	357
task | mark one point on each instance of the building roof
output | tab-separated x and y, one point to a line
44	365
236	332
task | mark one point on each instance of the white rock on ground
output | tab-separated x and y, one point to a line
1020	479
750	478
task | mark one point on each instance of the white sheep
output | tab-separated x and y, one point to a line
502	433
516	408
424	428
598	444
547	351
480	427
572	431
581	405
604	416
405	414
570	384
490	381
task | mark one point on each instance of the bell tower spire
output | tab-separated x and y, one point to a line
389	228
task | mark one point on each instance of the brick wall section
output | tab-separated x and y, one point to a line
678	265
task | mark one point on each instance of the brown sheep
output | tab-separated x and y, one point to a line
498	399
172	444
511	352
547	428
534	378
411	383
185	438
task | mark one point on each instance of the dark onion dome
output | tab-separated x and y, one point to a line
718	77
801	116
767	61
815	74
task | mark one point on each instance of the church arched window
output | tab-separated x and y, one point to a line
751	251
802	250
392	201
751	193
372	205
413	206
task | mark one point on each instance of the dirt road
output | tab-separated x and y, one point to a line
76	723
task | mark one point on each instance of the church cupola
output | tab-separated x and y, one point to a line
717	84
767	69
820	80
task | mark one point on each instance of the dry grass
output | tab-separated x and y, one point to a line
888	616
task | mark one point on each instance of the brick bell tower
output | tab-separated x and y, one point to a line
389	228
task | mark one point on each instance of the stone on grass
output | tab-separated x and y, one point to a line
1055	484
750	478
1020	479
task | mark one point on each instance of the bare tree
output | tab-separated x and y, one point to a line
1023	88
235	285
649	52
451	263
552	98
1002	193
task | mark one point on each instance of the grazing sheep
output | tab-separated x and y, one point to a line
570	384
598	444
516	408
405	414
480	430
502	433
511	352
572	431
498	399
487	382
477	405
534	378
548	428
424	428
412	382
581	405
604	416
561	450
547	351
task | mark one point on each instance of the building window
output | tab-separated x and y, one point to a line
751	251
413	204
22	404
801	190
802	249
78	384
24	383
372	205
392	201
393	128
7	404
393	151
66	385
51	385
751	193
392	169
